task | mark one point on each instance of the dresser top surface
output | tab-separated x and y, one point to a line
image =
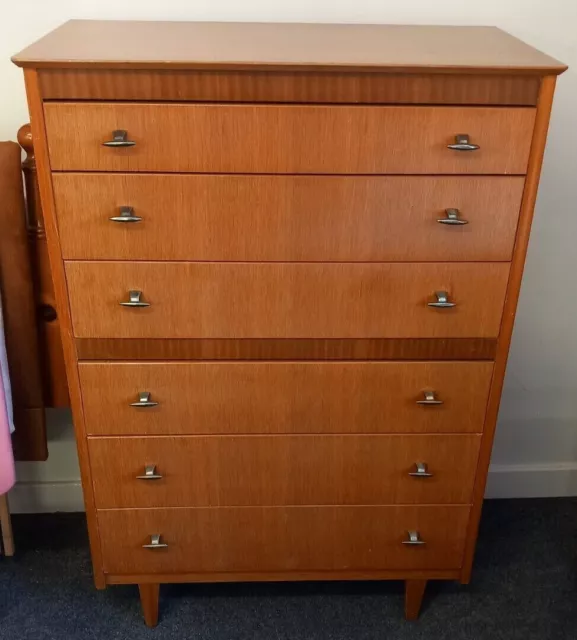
229	45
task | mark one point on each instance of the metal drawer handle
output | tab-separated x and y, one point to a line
126	215
462	143
144	400
134	300
119	139
442	301
414	539
155	543
429	399
452	218
422	471
150	473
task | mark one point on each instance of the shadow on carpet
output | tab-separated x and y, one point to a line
524	587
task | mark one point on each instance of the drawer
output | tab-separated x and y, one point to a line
281	539
287	138
229	471
287	218
284	397
285	300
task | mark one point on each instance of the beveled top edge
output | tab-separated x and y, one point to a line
270	46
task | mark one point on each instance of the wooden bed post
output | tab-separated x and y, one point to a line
6	527
51	356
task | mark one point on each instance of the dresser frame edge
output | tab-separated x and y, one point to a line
538	143
282	576
36	109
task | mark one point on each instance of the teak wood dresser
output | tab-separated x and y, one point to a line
287	260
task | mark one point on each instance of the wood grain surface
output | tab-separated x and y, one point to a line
345	87
410	349
291	539
287	138
285	300
225	471
115	349
284	397
229	45
286	218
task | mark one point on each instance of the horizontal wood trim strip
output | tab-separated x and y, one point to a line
288	87
346	349
277	539
292	576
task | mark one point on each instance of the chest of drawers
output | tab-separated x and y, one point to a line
287	261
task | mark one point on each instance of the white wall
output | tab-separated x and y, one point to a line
536	447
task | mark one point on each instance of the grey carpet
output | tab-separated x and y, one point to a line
524	587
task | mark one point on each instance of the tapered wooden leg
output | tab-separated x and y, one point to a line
414	590
149	594
6	526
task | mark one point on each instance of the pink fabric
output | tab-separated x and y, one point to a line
7	477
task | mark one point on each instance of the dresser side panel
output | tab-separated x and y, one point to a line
538	143
36	109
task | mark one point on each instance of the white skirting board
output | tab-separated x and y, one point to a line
46	497
505	481
548	480
54	485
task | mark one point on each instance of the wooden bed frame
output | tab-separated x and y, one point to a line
7	546
32	329
35	359
50	356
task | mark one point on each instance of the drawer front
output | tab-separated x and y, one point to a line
225	471
283	539
287	218
284	300
287	139
284	397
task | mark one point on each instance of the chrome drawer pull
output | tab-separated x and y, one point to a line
134	300
422	471
429	399
150	473
442	301
414	538
462	143
452	218
144	400
155	543
126	215
119	139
